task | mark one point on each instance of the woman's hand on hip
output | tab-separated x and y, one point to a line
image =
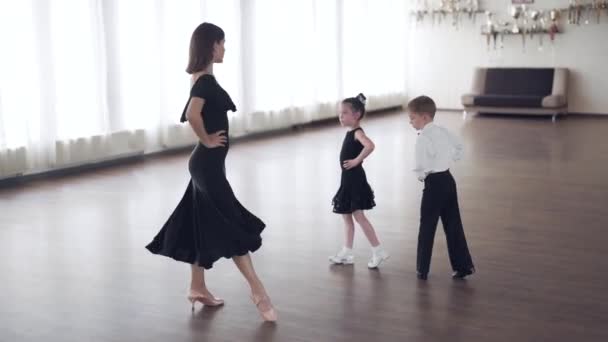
217	139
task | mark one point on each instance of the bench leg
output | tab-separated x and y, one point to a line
464	114
554	117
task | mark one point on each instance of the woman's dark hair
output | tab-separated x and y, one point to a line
201	46
357	104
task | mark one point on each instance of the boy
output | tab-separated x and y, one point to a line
436	149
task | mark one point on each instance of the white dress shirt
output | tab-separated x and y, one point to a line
436	150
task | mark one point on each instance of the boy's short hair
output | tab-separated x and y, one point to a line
422	105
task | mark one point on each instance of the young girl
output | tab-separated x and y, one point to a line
355	194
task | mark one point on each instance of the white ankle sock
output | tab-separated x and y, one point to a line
346	251
376	249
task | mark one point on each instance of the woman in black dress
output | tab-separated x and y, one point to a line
355	194
209	222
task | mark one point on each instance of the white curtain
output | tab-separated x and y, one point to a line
87	80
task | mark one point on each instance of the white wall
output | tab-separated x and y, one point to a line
442	58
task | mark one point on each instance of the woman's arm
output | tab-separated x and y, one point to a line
193	113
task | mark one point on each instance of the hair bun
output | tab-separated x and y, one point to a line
362	98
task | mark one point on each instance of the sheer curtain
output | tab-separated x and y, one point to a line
87	80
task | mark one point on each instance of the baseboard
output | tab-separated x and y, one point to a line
450	110
577	114
140	156
71	170
595	115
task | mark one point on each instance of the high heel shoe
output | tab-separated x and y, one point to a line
269	315
194	297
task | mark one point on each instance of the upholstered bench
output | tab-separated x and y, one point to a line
527	91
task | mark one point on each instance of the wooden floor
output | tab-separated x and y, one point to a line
534	200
